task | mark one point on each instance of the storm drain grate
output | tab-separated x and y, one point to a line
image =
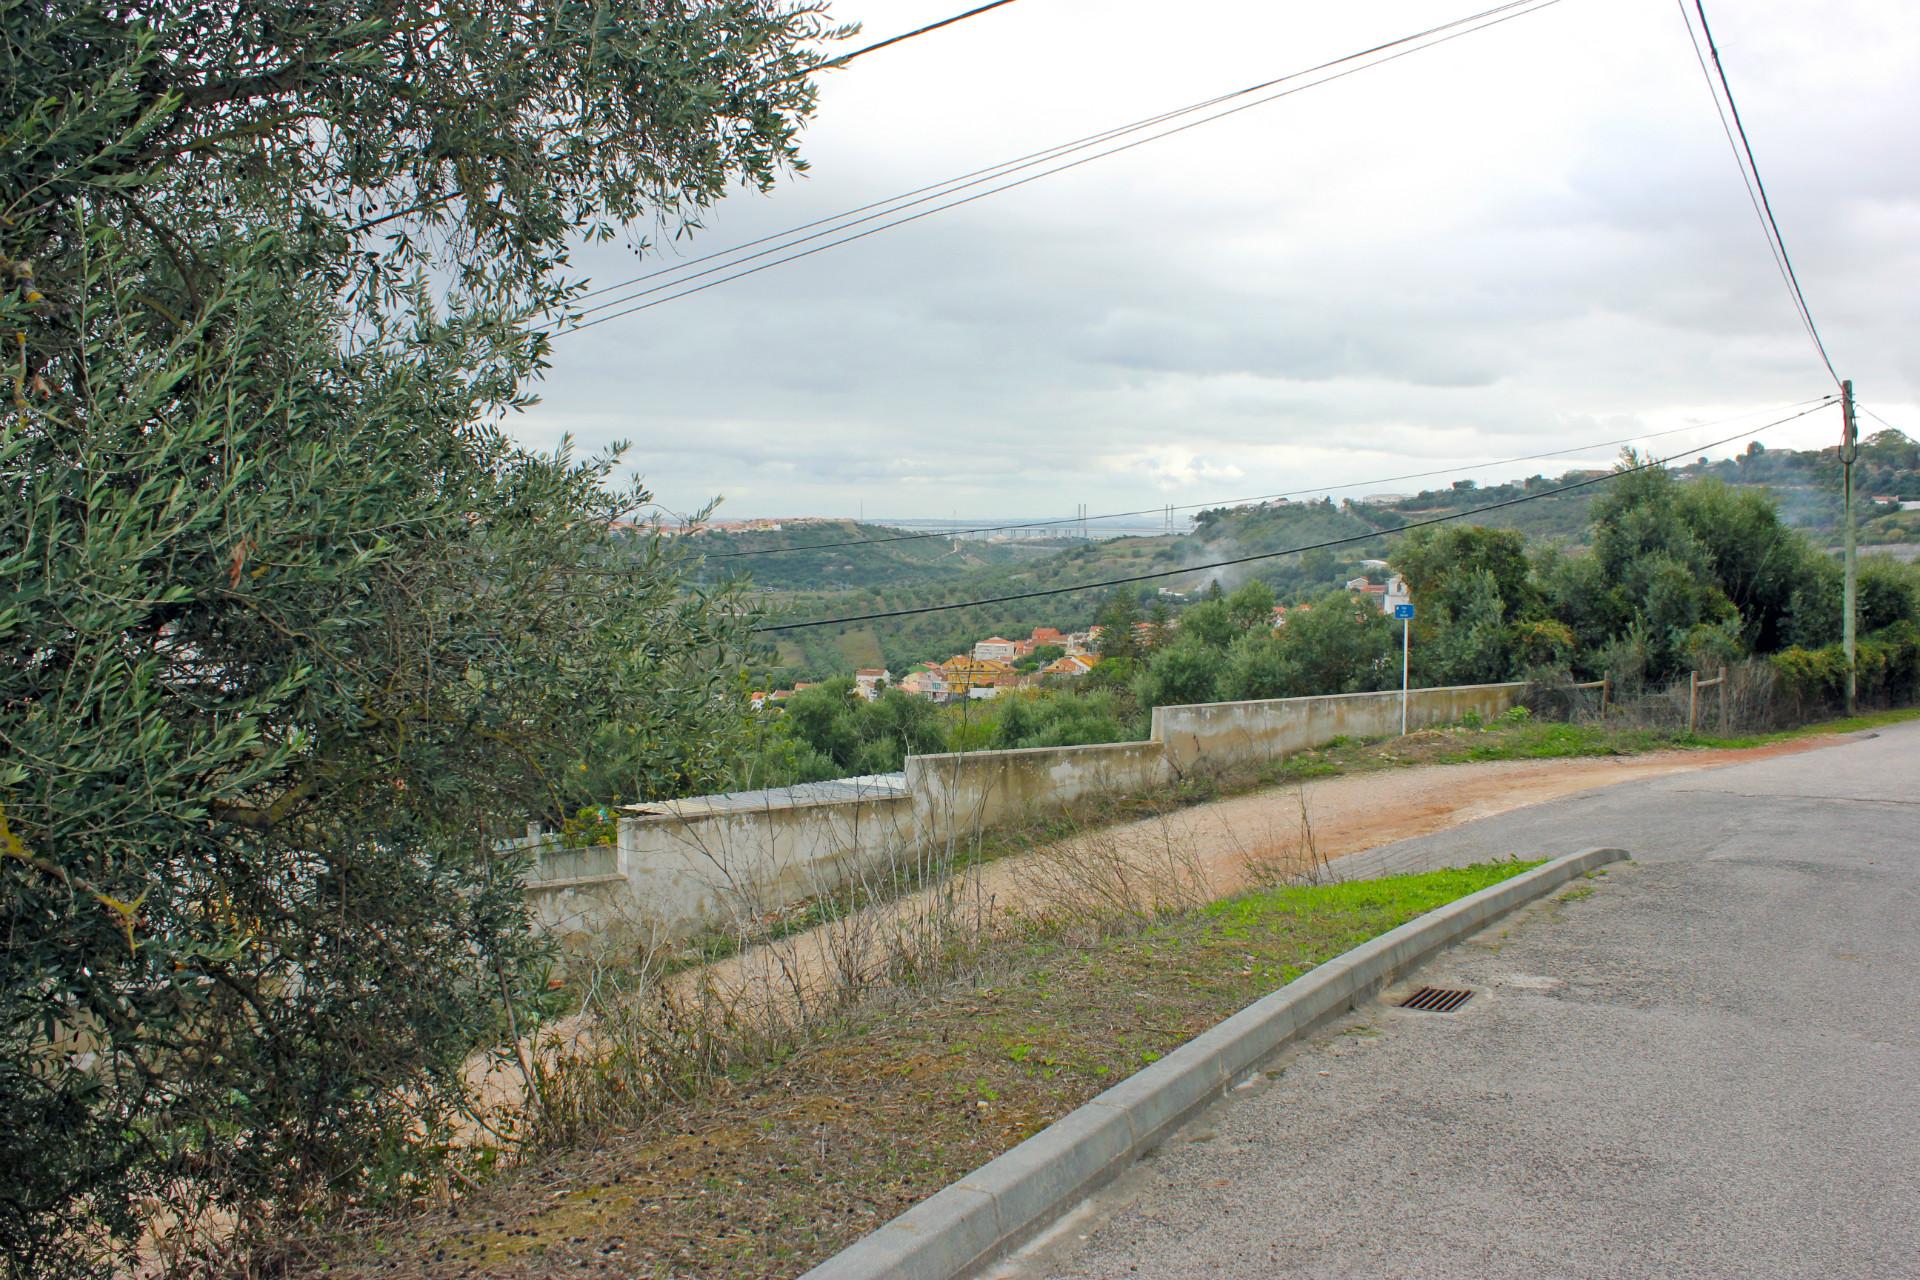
1437	999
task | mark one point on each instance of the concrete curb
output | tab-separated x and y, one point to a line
1002	1203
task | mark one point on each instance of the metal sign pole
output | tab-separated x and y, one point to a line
1404	612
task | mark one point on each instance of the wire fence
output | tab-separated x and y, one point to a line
1744	698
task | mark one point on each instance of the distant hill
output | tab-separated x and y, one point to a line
1804	483
890	557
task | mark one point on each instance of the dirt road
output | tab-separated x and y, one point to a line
1186	858
1195	855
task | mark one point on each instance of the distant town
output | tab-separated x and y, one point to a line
1048	655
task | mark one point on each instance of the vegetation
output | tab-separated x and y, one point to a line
1677	576
292	631
888	561
1802	486
808	1147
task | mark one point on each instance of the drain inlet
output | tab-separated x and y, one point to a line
1437	999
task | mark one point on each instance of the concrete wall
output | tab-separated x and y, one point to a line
1238	734
713	861
960	793
686	874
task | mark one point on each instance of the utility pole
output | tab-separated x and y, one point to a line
1849	450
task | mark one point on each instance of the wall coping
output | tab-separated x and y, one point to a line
1008	752
1337	697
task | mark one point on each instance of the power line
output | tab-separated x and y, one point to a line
1520	8
950	186
828	65
1876	417
844	59
1271	555
1817	402
1757	187
945	186
1746	180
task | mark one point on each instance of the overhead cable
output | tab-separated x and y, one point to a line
673	291
1272	555
975	12
1259	497
1756	186
907	200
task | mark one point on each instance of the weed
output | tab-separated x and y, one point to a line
873	1110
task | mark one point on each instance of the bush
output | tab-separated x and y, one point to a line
1888	672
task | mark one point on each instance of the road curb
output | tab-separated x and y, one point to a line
1002	1203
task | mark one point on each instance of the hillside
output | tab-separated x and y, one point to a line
890	557
1805	484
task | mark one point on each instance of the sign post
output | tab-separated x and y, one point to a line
1404	612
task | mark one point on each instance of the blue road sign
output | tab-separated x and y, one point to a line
1403	612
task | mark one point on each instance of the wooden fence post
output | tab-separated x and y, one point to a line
1606	688
1723	700
1693	699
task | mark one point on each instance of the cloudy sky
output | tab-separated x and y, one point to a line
1526	239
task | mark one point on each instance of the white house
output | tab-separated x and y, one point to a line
996	649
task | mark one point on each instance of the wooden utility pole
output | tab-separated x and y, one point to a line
1849	450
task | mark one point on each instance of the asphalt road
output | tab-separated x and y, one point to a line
1709	1065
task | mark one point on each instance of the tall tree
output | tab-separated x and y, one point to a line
290	630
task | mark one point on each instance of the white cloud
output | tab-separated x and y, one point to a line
1524	240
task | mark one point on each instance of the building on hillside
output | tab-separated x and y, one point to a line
870	681
929	682
996	649
1041	636
977	673
1385	594
1073	665
1079	642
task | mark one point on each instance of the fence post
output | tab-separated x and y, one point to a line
1723	700
1693	699
1606	688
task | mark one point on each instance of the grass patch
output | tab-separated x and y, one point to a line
1515	738
782	1164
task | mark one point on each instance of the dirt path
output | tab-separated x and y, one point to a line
1196	855
1186	857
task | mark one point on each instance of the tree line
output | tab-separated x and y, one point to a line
1678	575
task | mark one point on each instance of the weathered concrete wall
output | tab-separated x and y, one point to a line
570	891
964	792
1238	734
685	874
707	862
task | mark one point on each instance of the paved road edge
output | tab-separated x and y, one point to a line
1002	1203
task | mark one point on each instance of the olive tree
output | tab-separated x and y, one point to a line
290	631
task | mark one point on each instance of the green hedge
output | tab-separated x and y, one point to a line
1889	671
